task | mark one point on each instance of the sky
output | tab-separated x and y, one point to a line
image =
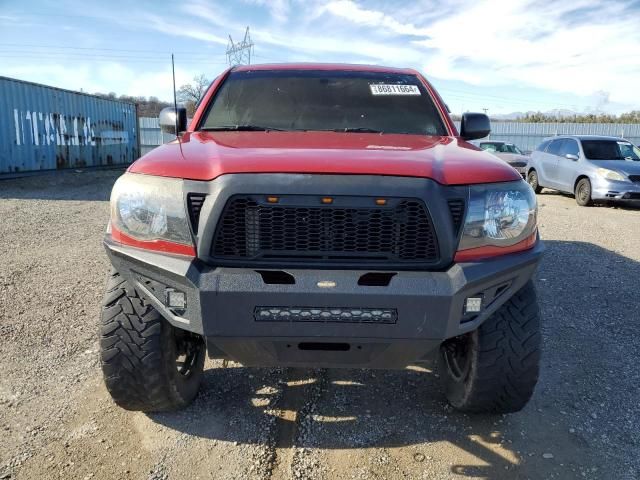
500	55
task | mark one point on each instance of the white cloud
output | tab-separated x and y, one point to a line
332	47
513	42
580	47
105	78
182	29
280	10
351	11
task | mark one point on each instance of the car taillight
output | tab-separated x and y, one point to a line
149	212
501	218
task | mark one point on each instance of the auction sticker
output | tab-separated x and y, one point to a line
379	89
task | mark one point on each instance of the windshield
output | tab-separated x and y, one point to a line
511	148
610	150
324	100
500	147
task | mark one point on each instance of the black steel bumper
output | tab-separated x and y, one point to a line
421	308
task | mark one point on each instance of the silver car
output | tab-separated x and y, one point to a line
590	167
508	152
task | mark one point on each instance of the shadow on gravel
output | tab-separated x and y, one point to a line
84	185
359	409
340	409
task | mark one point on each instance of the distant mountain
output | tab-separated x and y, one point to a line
561	112
508	116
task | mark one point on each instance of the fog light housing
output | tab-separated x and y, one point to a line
473	305
176	299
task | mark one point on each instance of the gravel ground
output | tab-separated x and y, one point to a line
57	420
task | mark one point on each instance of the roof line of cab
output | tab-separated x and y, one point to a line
323	66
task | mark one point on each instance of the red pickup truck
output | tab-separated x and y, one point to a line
324	216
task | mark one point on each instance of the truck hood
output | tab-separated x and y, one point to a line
207	155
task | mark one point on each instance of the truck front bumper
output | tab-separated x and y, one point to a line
603	189
323	318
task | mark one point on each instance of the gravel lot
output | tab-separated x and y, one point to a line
57	420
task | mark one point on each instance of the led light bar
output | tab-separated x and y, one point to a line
326	314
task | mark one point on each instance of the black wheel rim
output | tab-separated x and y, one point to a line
584	192
187	351
457	356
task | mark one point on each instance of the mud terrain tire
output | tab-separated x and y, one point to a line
147	364
495	368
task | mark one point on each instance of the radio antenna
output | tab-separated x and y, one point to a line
175	101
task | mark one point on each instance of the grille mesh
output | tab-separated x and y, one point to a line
195	201
399	233
456	207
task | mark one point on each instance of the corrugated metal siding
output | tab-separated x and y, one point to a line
528	136
150	134
45	128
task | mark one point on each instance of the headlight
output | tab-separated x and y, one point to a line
150	208
499	215
611	174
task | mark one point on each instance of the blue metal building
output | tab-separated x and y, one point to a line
46	128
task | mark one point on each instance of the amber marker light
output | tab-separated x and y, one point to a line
273	199
327	200
381	201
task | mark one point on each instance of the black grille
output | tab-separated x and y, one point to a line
195	201
634	178
456	207
400	232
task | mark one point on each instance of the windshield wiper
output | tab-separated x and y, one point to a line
357	129
241	128
260	128
345	129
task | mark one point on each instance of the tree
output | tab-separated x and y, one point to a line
599	117
146	107
191	93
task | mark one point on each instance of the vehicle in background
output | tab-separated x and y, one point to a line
591	167
508	152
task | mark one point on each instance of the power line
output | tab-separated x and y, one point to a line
204	64
69	47
59	55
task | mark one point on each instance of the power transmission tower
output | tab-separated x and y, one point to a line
240	53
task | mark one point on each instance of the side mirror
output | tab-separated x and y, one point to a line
474	125
168	120
573	157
